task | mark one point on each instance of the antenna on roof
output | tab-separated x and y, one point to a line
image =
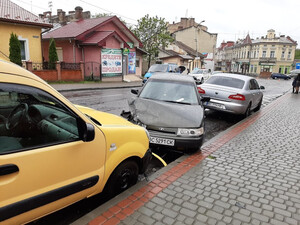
50	5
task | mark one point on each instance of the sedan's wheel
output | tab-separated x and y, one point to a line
248	111
258	106
124	176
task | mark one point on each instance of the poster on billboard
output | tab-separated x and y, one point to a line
111	60
131	63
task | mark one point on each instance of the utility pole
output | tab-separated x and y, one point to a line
196	40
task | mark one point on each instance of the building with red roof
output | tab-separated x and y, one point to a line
105	46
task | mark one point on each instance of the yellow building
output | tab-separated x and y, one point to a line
28	28
265	55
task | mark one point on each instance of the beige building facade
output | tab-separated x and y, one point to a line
262	56
192	42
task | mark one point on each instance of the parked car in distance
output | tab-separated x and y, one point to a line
280	76
170	108
53	153
216	72
232	93
200	75
160	68
294	73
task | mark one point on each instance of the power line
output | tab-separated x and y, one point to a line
108	11
31	5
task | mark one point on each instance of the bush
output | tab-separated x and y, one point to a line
15	50
53	58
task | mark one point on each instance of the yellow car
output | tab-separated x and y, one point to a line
53	153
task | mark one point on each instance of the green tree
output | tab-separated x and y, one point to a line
297	54
153	33
15	49
53	58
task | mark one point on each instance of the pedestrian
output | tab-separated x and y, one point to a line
297	83
294	84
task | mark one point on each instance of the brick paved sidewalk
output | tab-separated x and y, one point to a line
253	177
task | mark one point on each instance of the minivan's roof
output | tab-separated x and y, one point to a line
11	68
172	77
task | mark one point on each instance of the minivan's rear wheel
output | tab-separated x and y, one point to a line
124	176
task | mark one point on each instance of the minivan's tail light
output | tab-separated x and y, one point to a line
200	90
237	97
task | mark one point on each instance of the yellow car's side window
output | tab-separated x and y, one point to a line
31	118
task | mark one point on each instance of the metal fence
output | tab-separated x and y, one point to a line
70	66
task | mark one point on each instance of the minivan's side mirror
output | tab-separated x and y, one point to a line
89	133
261	87
134	91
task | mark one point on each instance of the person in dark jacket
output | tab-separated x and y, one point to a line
297	83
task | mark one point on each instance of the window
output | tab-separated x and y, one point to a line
289	54
282	54
264	54
226	81
272	54
137	62
31	118
24	48
253	85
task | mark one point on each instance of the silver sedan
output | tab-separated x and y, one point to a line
232	93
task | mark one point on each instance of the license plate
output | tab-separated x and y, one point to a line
220	106
162	141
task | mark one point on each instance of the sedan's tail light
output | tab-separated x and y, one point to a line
237	97
200	90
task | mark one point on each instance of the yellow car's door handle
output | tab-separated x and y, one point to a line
8	169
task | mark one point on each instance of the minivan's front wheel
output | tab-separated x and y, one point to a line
124	176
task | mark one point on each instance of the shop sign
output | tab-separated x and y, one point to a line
111	61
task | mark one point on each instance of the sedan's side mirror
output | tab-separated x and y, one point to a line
134	91
261	87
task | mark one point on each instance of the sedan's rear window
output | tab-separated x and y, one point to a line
226	81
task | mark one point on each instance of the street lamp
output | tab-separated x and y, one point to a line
196	38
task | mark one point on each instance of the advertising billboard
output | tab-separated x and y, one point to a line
111	62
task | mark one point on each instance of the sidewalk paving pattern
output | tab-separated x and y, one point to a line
249	174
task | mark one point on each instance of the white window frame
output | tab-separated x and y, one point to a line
264	54
26	46
272	54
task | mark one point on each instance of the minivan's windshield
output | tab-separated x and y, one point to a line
170	91
226	81
158	68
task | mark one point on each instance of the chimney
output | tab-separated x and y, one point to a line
61	17
78	13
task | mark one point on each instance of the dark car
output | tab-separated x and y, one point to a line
161	68
170	108
280	76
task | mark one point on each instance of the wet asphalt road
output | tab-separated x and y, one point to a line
116	100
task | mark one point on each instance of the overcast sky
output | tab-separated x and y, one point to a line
231	19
